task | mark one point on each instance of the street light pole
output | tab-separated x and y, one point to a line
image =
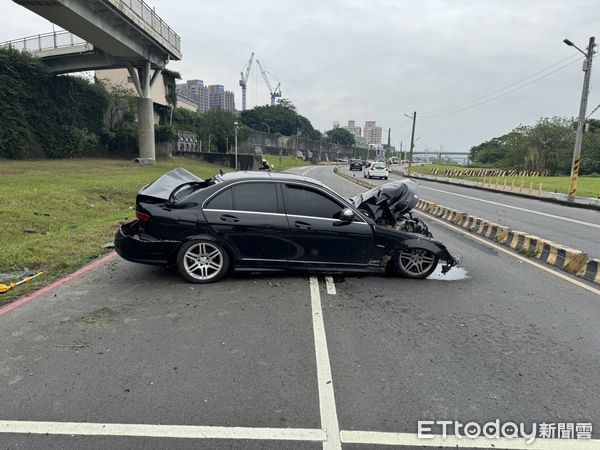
235	124
587	68
412	142
209	138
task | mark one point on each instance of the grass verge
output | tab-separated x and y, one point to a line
287	162
57	214
587	186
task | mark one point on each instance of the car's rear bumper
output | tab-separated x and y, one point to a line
132	246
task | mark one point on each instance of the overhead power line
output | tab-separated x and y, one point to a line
474	103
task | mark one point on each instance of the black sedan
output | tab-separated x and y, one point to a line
261	221
356	165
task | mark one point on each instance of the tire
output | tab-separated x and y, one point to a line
416	263
385	178
202	261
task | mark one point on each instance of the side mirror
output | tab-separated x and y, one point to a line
347	215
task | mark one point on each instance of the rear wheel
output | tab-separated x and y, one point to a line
202	261
416	263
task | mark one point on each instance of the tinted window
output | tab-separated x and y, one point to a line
379	166
223	200
301	201
259	197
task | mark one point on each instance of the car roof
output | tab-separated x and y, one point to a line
265	175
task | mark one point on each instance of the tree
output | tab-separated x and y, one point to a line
287	103
220	124
280	118
341	136
547	145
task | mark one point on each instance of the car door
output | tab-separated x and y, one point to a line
317	236
247	217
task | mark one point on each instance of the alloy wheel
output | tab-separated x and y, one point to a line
203	261
418	262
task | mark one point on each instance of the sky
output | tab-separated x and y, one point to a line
340	60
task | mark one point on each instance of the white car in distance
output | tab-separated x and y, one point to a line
376	170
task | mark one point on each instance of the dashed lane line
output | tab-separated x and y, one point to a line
330	285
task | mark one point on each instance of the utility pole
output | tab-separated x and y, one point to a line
412	143
389	146
235	124
587	68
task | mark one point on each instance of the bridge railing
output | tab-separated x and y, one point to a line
46	41
149	16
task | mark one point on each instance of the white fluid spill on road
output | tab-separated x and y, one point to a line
455	274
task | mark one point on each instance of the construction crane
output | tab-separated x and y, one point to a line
275	93
244	79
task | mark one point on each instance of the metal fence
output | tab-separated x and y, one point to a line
149	17
301	146
46	41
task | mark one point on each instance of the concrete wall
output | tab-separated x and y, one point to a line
186	103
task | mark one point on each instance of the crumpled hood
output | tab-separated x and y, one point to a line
162	187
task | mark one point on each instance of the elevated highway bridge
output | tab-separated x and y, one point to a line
104	34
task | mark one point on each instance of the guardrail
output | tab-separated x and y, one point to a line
46	41
149	17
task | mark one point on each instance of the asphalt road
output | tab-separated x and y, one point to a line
577	228
132	344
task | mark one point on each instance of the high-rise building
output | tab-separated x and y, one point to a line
372	133
352	128
219	98
195	90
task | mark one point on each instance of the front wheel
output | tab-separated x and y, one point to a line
202	261
416	263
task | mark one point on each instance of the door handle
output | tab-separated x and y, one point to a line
302	225
229	218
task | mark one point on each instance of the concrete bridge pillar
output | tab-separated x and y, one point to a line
143	80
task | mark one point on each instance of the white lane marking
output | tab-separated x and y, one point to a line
330	285
568	219
409	439
278	434
329	420
515	255
306	171
161	431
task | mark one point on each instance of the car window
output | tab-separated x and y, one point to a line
303	201
259	197
223	200
379	166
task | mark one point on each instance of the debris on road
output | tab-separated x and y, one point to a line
8	287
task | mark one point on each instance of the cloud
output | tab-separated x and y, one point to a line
377	60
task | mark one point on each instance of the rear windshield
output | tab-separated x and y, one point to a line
185	190
378	166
